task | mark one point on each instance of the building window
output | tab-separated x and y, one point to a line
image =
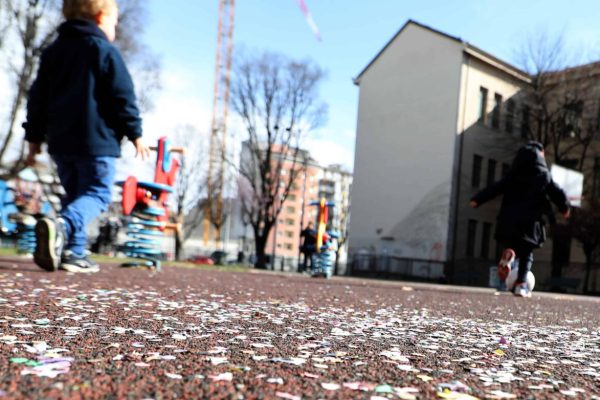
572	119
499	249
289	221
291	197
491	172
290	210
483	93
471	234
288	246
596	178
289	234
485	240
505	169
476	175
510	116
525	122
497	110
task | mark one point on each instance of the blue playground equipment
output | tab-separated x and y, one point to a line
324	258
7	201
145	209
20	208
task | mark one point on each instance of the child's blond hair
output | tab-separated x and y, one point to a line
87	9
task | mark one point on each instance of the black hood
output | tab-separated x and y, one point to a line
530	161
80	27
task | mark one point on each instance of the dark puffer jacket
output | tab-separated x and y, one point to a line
83	100
528	189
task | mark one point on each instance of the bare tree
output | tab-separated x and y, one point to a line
144	64
219	207
5	22
191	182
33	23
27	18
277	100
560	106
584	226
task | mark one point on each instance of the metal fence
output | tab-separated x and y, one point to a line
383	265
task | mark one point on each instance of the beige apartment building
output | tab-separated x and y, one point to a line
438	120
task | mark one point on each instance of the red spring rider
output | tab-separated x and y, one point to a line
145	206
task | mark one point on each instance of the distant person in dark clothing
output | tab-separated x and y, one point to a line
527	190
107	237
309	243
82	103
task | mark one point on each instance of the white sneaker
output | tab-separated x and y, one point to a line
522	290
79	264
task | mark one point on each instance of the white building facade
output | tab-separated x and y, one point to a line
438	120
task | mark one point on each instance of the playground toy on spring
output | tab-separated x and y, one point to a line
21	205
324	257
146	210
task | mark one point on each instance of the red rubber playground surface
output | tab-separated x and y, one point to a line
197	333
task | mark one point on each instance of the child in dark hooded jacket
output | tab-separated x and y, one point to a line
527	191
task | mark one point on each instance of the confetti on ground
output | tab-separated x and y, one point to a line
200	334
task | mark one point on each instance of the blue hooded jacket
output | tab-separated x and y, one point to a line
82	101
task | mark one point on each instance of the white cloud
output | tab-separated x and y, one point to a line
332	149
182	101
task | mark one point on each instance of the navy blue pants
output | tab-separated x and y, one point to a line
88	183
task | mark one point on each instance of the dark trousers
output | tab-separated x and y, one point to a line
524	253
308	256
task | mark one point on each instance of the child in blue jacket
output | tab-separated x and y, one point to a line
82	103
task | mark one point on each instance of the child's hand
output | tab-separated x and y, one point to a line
567	214
141	149
34	150
473	204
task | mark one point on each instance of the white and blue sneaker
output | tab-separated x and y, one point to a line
522	290
79	264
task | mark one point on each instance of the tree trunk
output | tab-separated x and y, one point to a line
588	269
261	257
179	233
178	247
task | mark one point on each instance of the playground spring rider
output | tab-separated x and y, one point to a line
145	205
31	203
20	207
7	201
325	255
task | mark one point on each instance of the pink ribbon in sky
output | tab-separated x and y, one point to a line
309	19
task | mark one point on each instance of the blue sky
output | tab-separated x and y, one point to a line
183	34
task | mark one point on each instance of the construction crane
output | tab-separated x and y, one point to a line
213	209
